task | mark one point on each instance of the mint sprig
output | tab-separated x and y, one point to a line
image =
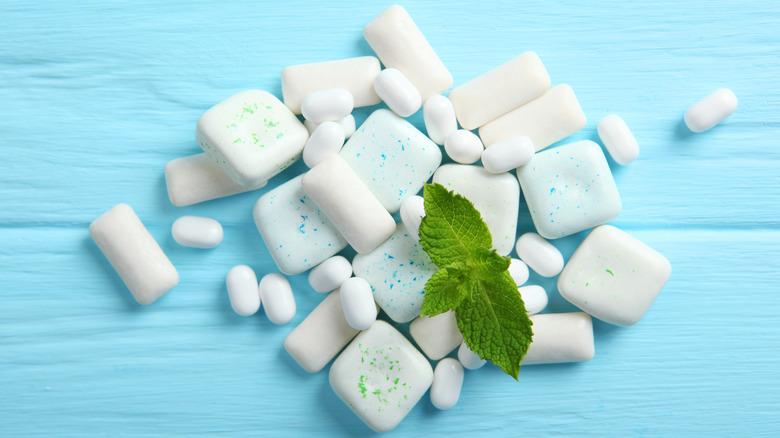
473	280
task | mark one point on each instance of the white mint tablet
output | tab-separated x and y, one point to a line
358	303
329	274
197	232
618	139
711	110
326	140
197	178
539	254
412	212
463	147
500	90
614	276
355	75
519	271
398	43
277	298
508	154
134	254
251	136
380	376
436	335
439	118
242	290
447	382
468	358
327	105
560	338
347	124
348	203
534	298
397	92
553	116
320	336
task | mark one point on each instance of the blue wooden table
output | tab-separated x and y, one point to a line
95	98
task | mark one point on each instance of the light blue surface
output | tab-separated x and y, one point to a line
95	98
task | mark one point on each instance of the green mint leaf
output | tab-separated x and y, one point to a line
488	261
494	322
452	228
445	290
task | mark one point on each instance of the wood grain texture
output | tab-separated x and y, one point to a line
95	98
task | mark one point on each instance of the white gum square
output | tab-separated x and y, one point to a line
560	338
197	178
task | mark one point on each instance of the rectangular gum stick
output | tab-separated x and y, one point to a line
134	253
500	90
560	338
196	178
348	203
549	118
353	74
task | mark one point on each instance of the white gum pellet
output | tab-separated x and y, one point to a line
399	43
329	275
560	338
495	93
326	140
353	74
468	358
508	154
463	147
348	203
519	271
447	382
539	254
243	290
439	118
347	124
135	255
358	303
197	178
197	232
327	105
436	335
618	139
412	212
277	298
534	298
397	92
553	116
710	110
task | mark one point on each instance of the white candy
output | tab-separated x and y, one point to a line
380	376
197	178
710	110
614	276
500	90
508	154
327	105
326	140
560	338
412	212
519	271
320	336
358	303
447	381
551	117
134	254
618	139
329	274
356	75
347	124
251	136
534	298
277	298
348	203
439	118
468	358
398	43
197	232
539	254
243	290
397	92
437	335
463	146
